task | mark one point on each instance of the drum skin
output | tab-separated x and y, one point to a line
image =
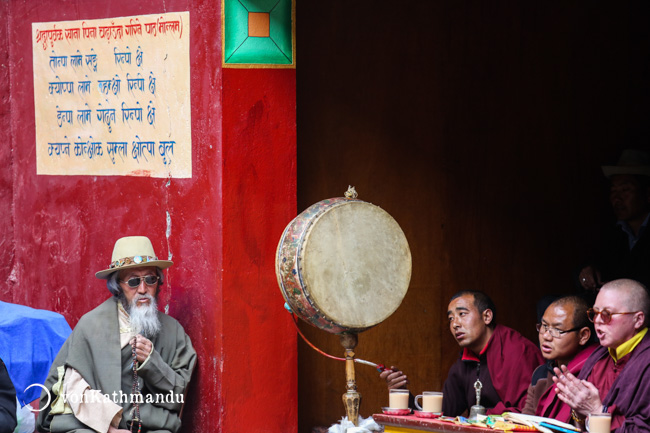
343	265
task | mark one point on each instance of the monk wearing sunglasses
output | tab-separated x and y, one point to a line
616	377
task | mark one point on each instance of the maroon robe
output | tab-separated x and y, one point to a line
629	395
504	367
548	404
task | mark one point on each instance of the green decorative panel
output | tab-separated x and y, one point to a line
258	33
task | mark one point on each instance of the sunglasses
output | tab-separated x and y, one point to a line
605	315
149	280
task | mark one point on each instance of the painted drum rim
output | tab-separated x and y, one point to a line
305	310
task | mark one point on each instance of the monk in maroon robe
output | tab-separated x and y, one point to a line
616	377
565	337
501	358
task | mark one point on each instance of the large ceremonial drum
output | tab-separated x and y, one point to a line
343	265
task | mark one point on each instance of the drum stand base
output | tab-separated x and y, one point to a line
351	399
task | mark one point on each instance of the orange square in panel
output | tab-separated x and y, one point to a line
259	24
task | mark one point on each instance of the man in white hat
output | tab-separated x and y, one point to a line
625	249
126	365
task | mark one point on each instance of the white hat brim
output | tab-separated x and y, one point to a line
160	264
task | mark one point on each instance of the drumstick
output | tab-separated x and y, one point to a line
379	367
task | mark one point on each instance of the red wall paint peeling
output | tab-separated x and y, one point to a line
224	222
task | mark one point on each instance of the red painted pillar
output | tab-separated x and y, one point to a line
259	386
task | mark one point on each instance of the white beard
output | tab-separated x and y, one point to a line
144	319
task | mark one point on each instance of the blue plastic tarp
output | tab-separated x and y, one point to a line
29	341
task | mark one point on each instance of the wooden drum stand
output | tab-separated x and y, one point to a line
352	398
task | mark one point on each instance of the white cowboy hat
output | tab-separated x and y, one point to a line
632	161
133	252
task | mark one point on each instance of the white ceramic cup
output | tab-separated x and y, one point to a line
599	422
431	401
398	398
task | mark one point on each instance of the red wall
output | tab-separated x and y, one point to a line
260	382
224	222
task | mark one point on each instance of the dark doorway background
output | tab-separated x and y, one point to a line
481	128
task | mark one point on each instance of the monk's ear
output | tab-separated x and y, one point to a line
639	320
584	335
488	316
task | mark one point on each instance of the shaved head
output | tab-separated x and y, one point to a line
578	307
635	295
567	315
